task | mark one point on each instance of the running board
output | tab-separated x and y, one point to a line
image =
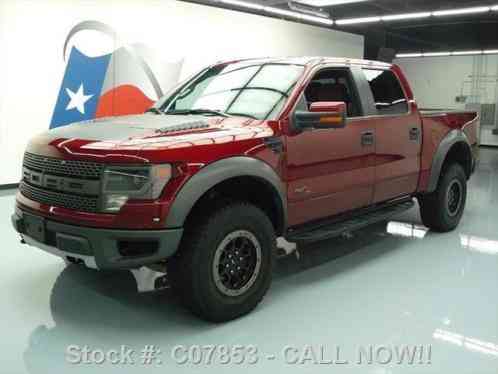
336	228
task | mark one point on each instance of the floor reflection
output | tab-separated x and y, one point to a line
392	283
471	344
483	245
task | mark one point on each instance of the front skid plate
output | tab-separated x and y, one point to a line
150	280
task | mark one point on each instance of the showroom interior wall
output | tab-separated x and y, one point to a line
438	81
175	38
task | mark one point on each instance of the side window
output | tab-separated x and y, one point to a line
333	85
386	89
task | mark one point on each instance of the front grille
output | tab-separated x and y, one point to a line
55	166
69	201
65	183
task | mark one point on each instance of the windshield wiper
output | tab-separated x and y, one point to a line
243	115
154	110
198	111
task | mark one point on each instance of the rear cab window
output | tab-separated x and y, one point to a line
387	92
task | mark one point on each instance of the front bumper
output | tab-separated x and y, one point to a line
97	247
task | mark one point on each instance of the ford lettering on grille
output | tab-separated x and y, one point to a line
65	183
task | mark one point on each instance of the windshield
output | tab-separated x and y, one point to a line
247	89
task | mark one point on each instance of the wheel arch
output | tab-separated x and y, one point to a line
240	177
455	147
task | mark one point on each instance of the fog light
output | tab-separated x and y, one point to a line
114	203
135	248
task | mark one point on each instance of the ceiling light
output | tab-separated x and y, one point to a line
456	53
451	12
288	13
464	53
325	21
320	3
495	8
352	21
436	54
396	17
279	11
307	9
403	55
242	4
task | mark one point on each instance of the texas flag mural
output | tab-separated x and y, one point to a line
118	83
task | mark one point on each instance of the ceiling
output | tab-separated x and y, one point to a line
462	32
456	32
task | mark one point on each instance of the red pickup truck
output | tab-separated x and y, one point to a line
243	153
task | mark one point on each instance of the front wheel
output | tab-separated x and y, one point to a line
224	266
442	209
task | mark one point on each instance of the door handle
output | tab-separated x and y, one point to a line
414	133
367	138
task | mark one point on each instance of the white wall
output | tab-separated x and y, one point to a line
32	34
436	81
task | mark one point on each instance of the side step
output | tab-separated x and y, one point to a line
331	229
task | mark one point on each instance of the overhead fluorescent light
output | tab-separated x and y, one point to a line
436	54
288	13
243	4
403	55
456	53
320	3
307	9
452	12
353	21
281	12
465	53
495	8
278	11
396	17
325	21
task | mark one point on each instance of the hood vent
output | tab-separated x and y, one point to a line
184	127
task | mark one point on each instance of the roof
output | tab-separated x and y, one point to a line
311	60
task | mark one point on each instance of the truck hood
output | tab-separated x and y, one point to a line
136	127
146	132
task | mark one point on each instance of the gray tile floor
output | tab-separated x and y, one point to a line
391	286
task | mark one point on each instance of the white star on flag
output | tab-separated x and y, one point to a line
78	99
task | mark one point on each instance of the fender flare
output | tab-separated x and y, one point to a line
217	172
452	138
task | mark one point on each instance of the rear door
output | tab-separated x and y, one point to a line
331	171
398	136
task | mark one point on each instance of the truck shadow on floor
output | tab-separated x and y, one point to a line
85	297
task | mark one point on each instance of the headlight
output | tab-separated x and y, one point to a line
122	183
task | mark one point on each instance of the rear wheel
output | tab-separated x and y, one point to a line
442	210
224	266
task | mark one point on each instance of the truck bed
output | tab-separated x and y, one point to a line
466	120
439	111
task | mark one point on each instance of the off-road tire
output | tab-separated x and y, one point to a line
434	207
191	269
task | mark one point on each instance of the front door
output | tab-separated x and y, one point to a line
331	171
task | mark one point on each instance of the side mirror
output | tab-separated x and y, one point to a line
322	115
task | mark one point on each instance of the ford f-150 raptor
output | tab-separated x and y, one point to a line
241	156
